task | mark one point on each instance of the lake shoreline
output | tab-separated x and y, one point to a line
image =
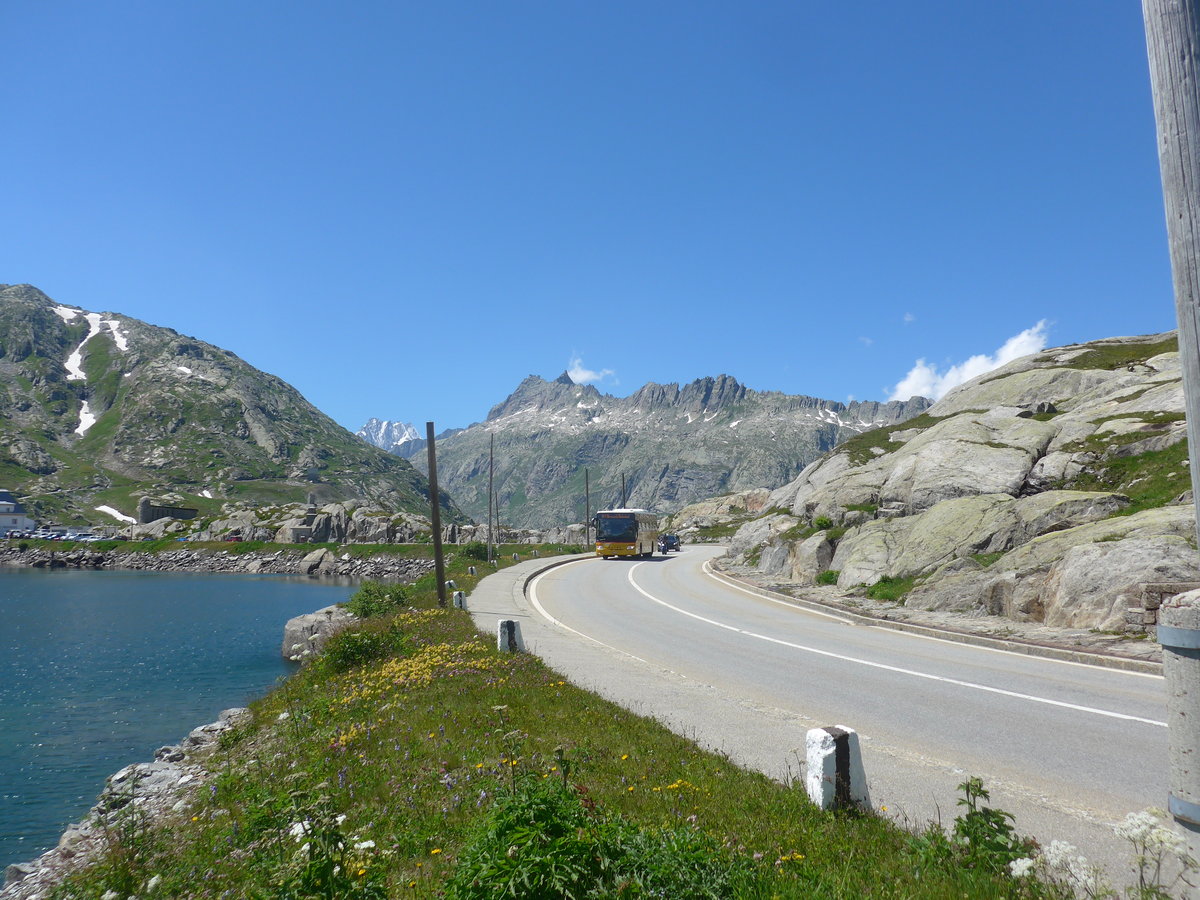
320	563
162	781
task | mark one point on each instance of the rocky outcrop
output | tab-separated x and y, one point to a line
985	523
157	789
1010	496
306	635
696	519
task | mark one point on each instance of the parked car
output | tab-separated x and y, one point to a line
668	542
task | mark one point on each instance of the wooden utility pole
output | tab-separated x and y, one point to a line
587	510
1173	49
438	561
491	467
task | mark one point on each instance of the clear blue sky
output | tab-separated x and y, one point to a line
405	208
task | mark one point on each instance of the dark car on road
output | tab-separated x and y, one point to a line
668	542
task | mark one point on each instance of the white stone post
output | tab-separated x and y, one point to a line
835	776
460	599
508	636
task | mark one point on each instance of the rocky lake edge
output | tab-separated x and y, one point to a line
319	562
145	790
154	789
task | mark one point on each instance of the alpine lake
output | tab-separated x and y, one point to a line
98	669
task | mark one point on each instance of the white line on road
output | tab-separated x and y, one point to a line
728	582
875	665
533	599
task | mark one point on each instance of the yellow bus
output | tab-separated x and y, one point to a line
625	532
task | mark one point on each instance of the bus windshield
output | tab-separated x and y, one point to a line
622	529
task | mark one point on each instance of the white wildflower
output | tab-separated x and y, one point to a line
340	819
1057	854
1137	826
153	884
299	830
1167	840
365	845
1019	868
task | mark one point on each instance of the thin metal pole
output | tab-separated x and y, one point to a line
1173	50
438	561
491	466
623	499
587	509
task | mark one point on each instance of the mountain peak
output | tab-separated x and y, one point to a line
565	378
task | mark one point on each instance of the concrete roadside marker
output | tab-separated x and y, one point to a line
460	599
508	636
835	777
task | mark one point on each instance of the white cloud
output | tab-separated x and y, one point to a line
909	317
581	375
925	380
867	341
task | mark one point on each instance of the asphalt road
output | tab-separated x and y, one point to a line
1069	749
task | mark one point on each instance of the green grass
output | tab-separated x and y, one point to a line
861	447
1120	355
717	532
891	588
1149	480
438	754
986	559
1160	417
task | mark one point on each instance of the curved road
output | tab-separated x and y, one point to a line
1068	748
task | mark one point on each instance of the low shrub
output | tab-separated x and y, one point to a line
357	647
822	522
376	599
474	550
548	839
829	576
982	838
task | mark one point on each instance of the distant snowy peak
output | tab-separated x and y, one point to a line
390	436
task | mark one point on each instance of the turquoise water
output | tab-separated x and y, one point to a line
100	669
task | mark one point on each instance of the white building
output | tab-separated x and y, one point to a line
12	515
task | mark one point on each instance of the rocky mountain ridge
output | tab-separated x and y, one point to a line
673	443
1049	490
98	409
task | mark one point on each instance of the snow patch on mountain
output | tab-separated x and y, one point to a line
119	337
116	514
86	419
75	360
